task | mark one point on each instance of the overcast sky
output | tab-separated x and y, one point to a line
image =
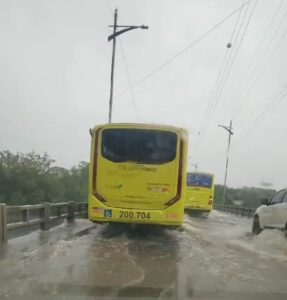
55	68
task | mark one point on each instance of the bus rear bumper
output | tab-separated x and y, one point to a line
167	217
203	208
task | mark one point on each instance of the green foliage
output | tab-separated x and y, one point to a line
31	178
249	197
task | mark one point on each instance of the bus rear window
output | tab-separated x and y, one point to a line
199	180
139	145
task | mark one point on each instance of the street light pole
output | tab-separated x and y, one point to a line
113	37
230	133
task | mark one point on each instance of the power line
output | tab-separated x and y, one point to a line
217	83
236	22
234	57
255	56
267	111
110	6
221	72
259	106
129	79
222	67
185	49
257	59
255	81
276	99
222	64
223	78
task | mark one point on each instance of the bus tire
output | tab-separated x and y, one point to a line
285	230
256	229
174	227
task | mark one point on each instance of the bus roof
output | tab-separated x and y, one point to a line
143	125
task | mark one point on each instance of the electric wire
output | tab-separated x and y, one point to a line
257	58
185	49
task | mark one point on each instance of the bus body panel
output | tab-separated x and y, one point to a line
199	197
137	192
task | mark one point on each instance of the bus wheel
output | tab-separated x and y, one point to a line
256	226
285	231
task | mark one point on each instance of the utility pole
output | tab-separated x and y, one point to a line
113	66
113	37
230	133
195	167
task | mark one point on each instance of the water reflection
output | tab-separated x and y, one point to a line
126	262
135	261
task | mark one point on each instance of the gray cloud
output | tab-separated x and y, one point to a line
54	73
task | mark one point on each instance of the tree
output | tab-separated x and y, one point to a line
76	182
32	178
22	175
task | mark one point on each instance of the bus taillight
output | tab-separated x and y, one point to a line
210	200
179	183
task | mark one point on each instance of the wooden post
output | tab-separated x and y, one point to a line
3	225
71	210
25	215
59	211
45	216
86	210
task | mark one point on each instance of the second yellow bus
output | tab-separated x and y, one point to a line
199	191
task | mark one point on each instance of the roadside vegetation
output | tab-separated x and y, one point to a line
34	178
29	178
249	197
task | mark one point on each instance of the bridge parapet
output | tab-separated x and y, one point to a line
23	216
236	210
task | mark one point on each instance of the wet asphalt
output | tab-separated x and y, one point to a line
213	257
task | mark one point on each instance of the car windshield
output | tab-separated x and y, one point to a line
138	145
143	149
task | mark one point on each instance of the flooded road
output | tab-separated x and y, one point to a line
214	257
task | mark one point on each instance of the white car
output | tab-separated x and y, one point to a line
272	213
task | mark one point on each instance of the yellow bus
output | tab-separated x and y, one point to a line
199	191
137	174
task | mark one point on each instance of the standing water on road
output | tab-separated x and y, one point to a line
215	257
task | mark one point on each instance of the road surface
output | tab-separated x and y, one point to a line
214	257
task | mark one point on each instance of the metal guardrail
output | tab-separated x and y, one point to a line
236	210
38	214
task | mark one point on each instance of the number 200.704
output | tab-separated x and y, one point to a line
134	215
